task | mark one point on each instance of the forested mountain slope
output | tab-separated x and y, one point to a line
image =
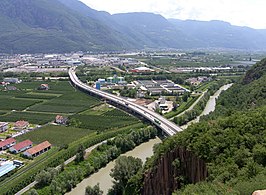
46	26
247	94
232	143
49	26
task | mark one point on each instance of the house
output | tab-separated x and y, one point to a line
19	125
7	143
11	88
21	146
3	127
61	120
11	80
142	69
43	87
37	150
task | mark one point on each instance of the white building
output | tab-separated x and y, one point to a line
3	127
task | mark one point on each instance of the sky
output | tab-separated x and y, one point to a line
249	13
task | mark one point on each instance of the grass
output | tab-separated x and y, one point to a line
98	110
56	135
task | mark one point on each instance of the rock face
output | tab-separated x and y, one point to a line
259	192
174	168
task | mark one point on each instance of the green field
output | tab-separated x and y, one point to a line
98	110
40	107
16	104
102	123
56	135
34	95
34	118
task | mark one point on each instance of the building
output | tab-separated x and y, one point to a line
98	85
38	150
102	81
6	167
11	80
142	70
43	87
161	104
11	88
21	146
20	125
61	120
3	127
7	143
116	80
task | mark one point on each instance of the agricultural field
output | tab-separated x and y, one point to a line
98	110
101	123
31	117
56	135
40	107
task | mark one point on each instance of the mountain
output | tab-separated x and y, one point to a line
222	34
50	26
32	26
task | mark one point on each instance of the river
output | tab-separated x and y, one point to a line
210	106
102	176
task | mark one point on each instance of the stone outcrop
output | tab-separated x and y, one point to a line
172	170
259	192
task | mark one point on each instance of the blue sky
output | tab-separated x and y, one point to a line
238	12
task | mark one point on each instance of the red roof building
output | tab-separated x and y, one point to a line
21	146
21	125
60	119
7	143
37	150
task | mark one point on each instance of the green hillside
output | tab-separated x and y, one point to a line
49	26
232	141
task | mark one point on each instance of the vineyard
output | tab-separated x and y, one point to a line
33	118
56	135
40	107
101	123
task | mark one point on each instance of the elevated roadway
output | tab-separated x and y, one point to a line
165	125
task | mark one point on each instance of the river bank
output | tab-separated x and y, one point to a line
102	176
210	106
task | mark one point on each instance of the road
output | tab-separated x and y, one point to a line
167	126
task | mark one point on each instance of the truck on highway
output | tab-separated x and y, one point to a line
157	121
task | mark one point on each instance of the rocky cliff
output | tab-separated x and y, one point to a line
175	168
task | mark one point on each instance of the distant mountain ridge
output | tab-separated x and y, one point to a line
45	26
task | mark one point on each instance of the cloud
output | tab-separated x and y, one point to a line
238	12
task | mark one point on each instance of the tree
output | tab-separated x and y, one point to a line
125	167
32	192
185	96
75	122
95	190
45	177
80	154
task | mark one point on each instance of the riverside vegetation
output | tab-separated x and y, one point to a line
52	181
